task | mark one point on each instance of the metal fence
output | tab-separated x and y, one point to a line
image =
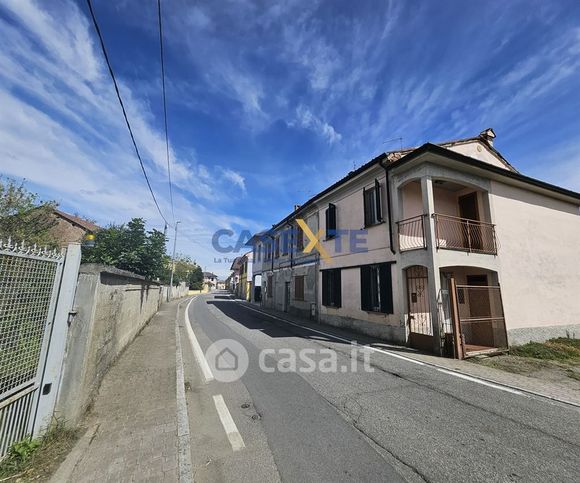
29	280
463	234
412	233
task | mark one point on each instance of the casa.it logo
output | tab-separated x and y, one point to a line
227	359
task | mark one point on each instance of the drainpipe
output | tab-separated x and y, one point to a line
389	214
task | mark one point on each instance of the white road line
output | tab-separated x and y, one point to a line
228	423
479	381
183	435
197	352
397	356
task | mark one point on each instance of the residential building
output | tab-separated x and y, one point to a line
446	248
235	276
210	280
245	286
71	229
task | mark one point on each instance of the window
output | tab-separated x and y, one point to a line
285	242
299	238
372	204
270	287
376	288
330	221
331	288
277	247
268	250
299	287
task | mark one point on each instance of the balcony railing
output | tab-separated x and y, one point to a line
412	233
462	234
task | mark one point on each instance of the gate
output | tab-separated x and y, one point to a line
420	323
29	285
481	317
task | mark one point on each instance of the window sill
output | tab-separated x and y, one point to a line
382	222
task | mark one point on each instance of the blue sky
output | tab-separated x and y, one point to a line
269	102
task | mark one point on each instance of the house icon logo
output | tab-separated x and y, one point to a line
227	359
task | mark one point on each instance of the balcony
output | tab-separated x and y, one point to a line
451	233
412	233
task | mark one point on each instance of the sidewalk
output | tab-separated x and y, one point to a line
132	433
549	389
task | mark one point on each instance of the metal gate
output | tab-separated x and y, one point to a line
420	322
481	317
29	283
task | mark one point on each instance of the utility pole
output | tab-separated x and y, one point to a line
172	263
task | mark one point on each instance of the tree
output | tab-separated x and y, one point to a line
130	247
186	271
23	217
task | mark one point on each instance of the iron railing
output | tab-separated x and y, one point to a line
454	233
412	233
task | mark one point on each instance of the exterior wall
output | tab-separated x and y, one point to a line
66	232
540	263
478	150
112	307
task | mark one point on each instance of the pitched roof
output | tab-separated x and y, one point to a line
398	156
75	220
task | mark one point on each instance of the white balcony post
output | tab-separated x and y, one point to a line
433	264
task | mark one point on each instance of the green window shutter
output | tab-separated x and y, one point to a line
386	288
378	200
365	287
325	288
337	288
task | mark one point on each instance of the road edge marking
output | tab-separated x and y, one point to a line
408	359
228	423
183	434
197	352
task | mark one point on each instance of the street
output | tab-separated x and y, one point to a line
404	421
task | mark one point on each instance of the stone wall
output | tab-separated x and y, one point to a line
111	306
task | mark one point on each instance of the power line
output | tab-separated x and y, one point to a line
98	30
165	106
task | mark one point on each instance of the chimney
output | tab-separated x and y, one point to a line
296	207
487	135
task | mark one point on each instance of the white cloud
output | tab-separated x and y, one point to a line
306	119
62	129
234	177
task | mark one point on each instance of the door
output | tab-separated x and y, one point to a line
420	324
478	298
286	296
472	237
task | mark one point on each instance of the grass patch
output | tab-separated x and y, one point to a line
36	459
562	350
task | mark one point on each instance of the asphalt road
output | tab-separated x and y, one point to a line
400	422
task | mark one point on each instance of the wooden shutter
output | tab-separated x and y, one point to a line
337	288
332	217
327	218
325	288
365	287
378	200
366	207
386	282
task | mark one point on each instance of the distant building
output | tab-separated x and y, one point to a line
210	280
70	228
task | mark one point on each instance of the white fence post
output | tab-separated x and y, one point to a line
58	337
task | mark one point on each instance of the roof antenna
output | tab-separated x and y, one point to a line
400	139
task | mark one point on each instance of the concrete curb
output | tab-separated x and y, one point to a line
436	366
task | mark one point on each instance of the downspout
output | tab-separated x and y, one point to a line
389	213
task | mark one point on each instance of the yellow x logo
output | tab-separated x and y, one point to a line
314	240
